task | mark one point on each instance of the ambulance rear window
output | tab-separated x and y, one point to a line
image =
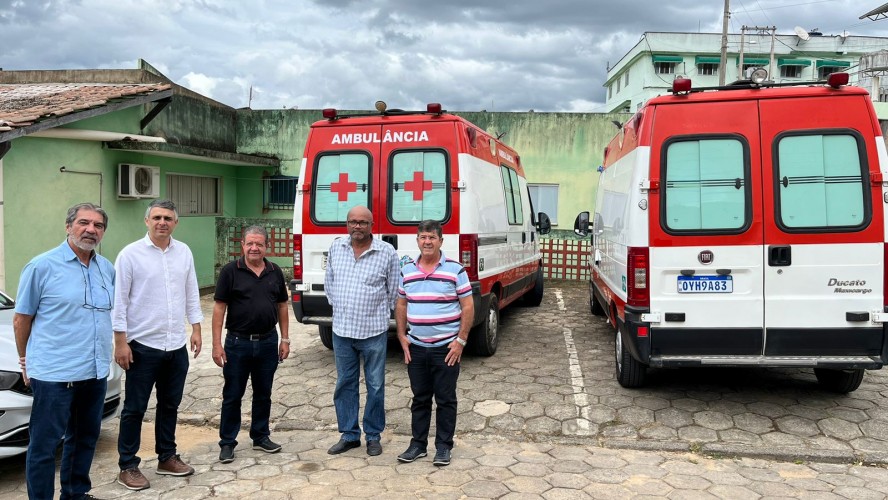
821	182
706	185
341	181
418	188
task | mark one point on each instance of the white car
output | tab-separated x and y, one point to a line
15	397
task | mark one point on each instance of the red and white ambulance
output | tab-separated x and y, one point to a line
409	166
745	226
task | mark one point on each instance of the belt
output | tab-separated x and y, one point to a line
253	337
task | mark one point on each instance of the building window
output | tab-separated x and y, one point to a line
279	192
618	85
707	69
824	71
664	68
626	80
790	71
194	195
544	198
610	92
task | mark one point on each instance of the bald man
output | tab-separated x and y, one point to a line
361	283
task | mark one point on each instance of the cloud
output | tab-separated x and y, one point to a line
468	55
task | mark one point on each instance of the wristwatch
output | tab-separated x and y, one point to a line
461	341
285	341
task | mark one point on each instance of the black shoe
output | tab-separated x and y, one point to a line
374	448
266	445
227	454
442	457
412	454
342	446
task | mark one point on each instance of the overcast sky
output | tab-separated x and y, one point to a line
515	55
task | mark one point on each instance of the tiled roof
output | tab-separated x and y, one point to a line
22	105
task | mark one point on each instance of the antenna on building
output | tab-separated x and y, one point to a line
250	99
802	33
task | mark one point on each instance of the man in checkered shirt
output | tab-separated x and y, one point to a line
361	283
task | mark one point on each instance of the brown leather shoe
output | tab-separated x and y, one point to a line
174	466
133	479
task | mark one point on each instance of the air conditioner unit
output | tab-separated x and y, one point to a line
137	181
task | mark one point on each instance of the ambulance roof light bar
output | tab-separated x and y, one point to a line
432	108
836	80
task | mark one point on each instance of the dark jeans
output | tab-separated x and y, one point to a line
69	411
430	376
150	368
256	360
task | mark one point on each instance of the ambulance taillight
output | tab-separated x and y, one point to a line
638	291
297	257
468	254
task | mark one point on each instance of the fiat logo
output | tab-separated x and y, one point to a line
706	257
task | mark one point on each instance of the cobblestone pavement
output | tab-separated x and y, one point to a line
543	417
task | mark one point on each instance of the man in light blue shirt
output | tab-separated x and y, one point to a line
63	336
361	283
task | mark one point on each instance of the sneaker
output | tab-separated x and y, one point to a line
174	466
266	445
133	479
412	453
227	454
442	457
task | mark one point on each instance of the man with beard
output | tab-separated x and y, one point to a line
62	327
361	283
156	292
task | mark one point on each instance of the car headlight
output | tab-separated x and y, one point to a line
12	381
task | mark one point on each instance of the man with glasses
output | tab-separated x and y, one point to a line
361	283
62	327
156	292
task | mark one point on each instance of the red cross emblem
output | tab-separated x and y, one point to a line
343	187
417	186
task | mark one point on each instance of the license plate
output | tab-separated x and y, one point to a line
705	284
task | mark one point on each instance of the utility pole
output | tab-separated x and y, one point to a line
724	48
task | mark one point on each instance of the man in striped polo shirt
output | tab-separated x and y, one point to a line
435	300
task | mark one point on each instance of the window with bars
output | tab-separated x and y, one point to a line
279	192
195	195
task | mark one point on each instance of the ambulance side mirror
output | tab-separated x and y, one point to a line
544	224
581	224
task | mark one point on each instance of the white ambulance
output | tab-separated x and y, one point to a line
745	226
408	166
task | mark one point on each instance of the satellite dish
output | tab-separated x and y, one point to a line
801	33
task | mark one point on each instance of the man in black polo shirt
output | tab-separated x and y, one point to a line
254	293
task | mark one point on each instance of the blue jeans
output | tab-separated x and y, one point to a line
348	353
150	367
256	360
430	376
63	410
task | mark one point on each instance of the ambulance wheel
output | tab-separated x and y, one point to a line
841	381
594	306
326	333
631	373
484	338
534	296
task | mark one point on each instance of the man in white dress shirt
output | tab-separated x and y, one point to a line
156	291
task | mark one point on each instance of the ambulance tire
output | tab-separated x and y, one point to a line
326	333
534	296
840	381
630	372
595	306
484	338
